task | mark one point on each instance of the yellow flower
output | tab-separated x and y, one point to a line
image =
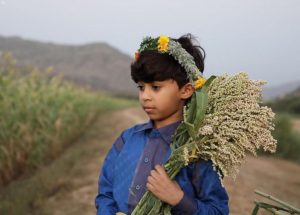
199	82
163	43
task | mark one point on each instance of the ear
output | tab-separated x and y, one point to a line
187	91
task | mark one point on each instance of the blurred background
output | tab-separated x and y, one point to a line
66	91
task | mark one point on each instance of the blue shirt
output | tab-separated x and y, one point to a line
123	178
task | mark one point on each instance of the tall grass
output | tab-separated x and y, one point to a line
288	145
40	116
288	139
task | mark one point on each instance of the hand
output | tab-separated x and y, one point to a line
160	184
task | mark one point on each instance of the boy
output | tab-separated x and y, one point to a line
135	162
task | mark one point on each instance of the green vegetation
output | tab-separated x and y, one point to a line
288	145
40	116
288	104
287	110
28	194
275	207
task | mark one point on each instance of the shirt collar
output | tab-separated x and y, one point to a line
166	131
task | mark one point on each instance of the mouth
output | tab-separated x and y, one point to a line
148	109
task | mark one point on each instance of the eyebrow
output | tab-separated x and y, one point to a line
154	82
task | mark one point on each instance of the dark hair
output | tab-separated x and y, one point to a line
154	66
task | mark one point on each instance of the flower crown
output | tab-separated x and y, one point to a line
164	44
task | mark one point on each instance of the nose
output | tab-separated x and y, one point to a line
145	94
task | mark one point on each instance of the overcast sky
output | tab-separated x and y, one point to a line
261	37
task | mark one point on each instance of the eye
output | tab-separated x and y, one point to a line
156	87
140	87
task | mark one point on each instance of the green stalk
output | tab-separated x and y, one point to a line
278	201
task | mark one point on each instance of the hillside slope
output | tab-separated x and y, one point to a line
97	65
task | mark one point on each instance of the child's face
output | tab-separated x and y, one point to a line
163	100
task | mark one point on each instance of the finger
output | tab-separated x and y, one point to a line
151	180
155	174
176	184
158	168
161	170
149	186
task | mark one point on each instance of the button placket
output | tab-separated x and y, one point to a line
154	133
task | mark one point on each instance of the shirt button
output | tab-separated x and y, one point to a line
146	160
137	187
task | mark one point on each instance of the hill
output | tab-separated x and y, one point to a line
271	93
289	103
98	65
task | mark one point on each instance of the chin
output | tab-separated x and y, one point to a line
155	118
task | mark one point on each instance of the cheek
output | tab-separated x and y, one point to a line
169	102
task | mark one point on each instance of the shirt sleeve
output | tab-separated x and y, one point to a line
104	201
211	198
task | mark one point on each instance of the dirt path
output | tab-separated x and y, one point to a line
276	177
77	198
